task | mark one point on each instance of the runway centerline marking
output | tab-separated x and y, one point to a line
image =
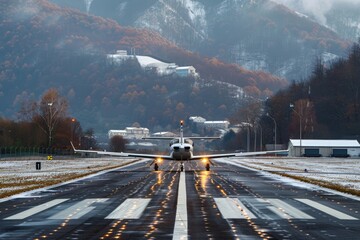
327	210
181	220
37	209
131	208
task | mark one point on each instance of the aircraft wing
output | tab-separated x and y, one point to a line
171	138
122	154
244	154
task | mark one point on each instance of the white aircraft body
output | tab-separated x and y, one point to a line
181	150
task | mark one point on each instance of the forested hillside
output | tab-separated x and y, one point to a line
328	102
44	46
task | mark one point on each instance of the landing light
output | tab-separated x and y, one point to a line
204	160
159	160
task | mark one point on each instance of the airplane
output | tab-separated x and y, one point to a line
181	150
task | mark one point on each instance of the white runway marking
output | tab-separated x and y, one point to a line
232	208
293	212
181	221
132	208
36	209
78	210
326	209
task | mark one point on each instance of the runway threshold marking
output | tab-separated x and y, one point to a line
293	212
132	208
232	208
37	209
79	209
181	220
327	210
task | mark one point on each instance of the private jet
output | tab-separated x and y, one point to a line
181	150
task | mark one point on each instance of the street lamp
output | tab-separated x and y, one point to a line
292	107
73	120
275	127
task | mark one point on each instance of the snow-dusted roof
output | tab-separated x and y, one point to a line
145	61
185	68
324	143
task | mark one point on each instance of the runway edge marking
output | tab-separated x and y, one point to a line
181	220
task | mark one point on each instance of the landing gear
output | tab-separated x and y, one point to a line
156	167
207	167
181	167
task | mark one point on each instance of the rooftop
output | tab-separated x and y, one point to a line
324	143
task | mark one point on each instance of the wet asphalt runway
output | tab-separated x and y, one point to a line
133	202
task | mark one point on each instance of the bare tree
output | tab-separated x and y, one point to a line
51	108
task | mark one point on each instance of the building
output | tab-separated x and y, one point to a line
197	119
130	133
151	64
324	148
217	124
187	71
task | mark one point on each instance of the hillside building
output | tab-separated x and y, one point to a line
152	64
187	71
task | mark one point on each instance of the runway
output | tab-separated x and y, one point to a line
134	202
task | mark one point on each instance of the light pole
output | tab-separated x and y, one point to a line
300	128
50	123
261	135
275	127
256	126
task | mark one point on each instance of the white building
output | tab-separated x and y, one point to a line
197	119
324	148
152	64
217	124
130	133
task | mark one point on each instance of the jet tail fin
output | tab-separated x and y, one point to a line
181	132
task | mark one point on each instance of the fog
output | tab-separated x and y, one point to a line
315	8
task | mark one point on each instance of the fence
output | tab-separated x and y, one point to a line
33	152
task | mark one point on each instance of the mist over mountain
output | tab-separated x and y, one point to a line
43	46
258	34
342	16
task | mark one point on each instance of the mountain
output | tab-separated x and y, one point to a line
341	16
256	34
43	45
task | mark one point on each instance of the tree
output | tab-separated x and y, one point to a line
117	144
88	140
51	108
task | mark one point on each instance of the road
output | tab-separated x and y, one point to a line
229	202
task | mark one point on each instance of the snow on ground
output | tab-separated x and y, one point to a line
340	171
21	175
